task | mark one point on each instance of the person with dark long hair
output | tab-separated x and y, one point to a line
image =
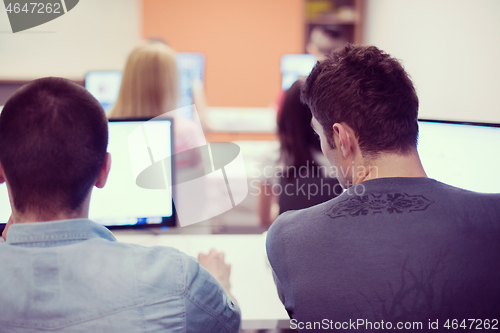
301	175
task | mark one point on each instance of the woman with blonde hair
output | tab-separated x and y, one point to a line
149	85
150	88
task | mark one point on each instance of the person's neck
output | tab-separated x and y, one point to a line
37	215
388	165
29	217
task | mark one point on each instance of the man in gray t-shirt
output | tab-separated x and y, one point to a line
396	250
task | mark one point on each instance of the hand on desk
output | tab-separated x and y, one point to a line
214	263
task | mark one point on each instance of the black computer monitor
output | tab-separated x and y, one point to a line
138	190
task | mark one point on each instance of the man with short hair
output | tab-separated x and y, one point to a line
62	272
396	246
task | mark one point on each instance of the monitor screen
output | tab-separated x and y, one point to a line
191	67
294	66
464	155
137	149
105	85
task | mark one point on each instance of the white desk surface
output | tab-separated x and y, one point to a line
251	278
241	119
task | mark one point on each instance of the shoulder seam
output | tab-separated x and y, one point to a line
208	311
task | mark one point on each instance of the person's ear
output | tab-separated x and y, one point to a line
4	233
103	174
344	139
2	174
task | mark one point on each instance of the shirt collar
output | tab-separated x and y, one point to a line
67	230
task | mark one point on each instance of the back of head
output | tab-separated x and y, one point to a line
149	85
324	40
370	91
297	139
53	140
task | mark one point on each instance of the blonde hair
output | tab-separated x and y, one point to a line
149	85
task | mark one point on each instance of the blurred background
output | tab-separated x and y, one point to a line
450	47
245	54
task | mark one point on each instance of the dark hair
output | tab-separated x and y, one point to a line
371	92
332	32
53	140
297	138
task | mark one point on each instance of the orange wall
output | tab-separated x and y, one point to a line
243	41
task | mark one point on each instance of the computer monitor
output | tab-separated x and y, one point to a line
461	154
139	150
294	66
191	67
105	85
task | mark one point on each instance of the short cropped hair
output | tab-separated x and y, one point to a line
53	141
371	92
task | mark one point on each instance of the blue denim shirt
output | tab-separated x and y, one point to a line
73	276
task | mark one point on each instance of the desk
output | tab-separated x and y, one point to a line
239	136
228	124
251	279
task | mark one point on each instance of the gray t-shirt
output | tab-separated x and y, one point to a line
392	249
